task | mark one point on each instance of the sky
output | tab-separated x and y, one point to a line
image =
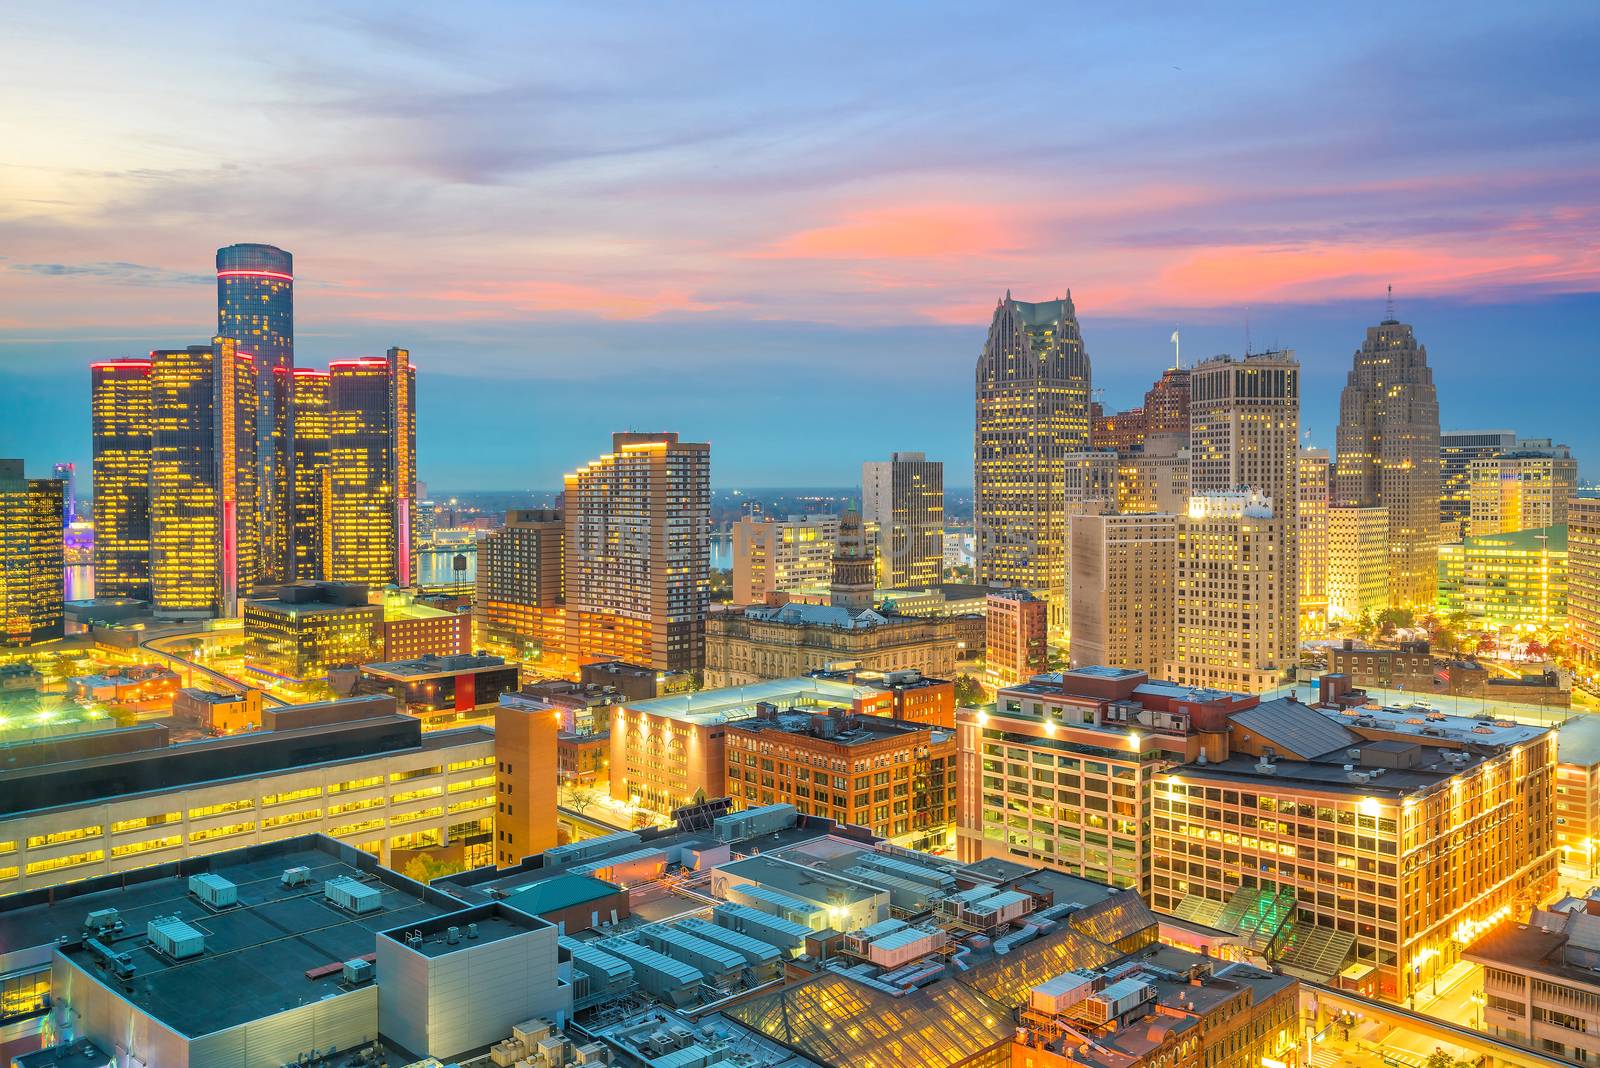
784	228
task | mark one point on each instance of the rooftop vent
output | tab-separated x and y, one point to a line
296	876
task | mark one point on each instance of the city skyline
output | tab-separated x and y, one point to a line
660	213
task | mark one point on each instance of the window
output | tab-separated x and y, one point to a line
77	834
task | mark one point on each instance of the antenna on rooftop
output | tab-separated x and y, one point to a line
1247	331
1389	306
1177	353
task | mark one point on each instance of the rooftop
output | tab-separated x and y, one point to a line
1578	741
432	666
842	730
560	892
739	702
451	932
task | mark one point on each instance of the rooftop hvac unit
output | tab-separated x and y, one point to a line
592	1053
102	920
529	1032
359	971
353	896
174	938
296	876
214	890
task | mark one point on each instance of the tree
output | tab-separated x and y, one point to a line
1365	625
1535	649
969	691
1393	618
578	796
425	868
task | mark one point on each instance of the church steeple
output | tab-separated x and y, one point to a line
853	567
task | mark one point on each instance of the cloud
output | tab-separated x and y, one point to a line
128	274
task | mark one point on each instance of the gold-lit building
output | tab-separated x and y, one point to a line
775	555
31	557
1016	627
1583	583
1123	569
1155	476
1358	561
518	603
1234	623
1521	490
525	751
372	459
1311	511
1033	386
637	553
902	499
309	628
1541	985
1507	580
310	531
119	412
1578	793
204	534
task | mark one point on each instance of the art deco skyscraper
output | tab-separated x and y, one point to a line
1033	384
1311	528
311	531
903	498
119	412
203	519
638	552
255	307
30	556
1388	454
372	459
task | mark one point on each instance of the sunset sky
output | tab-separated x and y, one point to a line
783	228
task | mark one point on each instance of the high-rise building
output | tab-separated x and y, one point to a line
1457	450
1522	490
638	552
771	555
372	457
1507	580
1015	628
1033	387
1311	512
1388	454
119	406
1166	404
1583	583
310	532
31	556
903	497
255	307
1234	624
1155	476
518	600
203	519
1358	561
525	777
1122	568
67	475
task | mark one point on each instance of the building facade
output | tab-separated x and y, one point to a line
1033	388
1358	561
525	732
518	603
372	462
1388	455
311	529
1457	451
902	498
1507	580
1155	476
774	643
31	557
119	414
1123	567
1522	490
1015	628
773	555
307	629
637	553
1583	584
1311	529
1541	981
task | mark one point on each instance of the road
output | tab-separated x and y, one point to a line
154	645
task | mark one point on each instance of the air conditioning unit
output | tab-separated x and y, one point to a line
174	938
214	890
353	895
296	876
359	971
102	920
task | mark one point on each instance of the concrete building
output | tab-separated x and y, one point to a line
1457	450
525	730
442	689
352	769
773	555
1507	580
1583	584
1015	629
1122	597
1311	528
1033	389
1578	794
518	604
1155	476
1521	490
902	498
1388	455
637	551
31	557
1358	561
1234	626
1541	980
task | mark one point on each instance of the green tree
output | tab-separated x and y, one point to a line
969	691
425	867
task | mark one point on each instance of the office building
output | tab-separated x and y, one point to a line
899	781
1033	387
443	689
67	475
119	414
255	308
902	498
1583	584
31	557
1507	580
637	553
1358	561
372	460
1522	490
1155	476
204	533
1119	432
311	532
1424	831
1166	404
1234	626
518	605
1412	667
1457	451
1123	597
1541	980
1388	454
1578	794
1015	631
775	555
1311	531
306	629
525	748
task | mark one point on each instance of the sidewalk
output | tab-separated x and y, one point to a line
1446	982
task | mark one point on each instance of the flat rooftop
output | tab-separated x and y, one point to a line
1423	721
1321	774
473	927
710	707
848	731
813	883
256	953
432	667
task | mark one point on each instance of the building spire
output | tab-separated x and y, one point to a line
1388	315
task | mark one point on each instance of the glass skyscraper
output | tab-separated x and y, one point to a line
119	405
372	462
255	307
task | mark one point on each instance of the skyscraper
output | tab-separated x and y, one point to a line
1388	454
67	475
119	412
1457	450
1311	531
1033	386
372	459
518	597
31	558
1358	561
255	307
770	554
1522	490
310	532
638	552
1583	584
904	498
203	512
1122	590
